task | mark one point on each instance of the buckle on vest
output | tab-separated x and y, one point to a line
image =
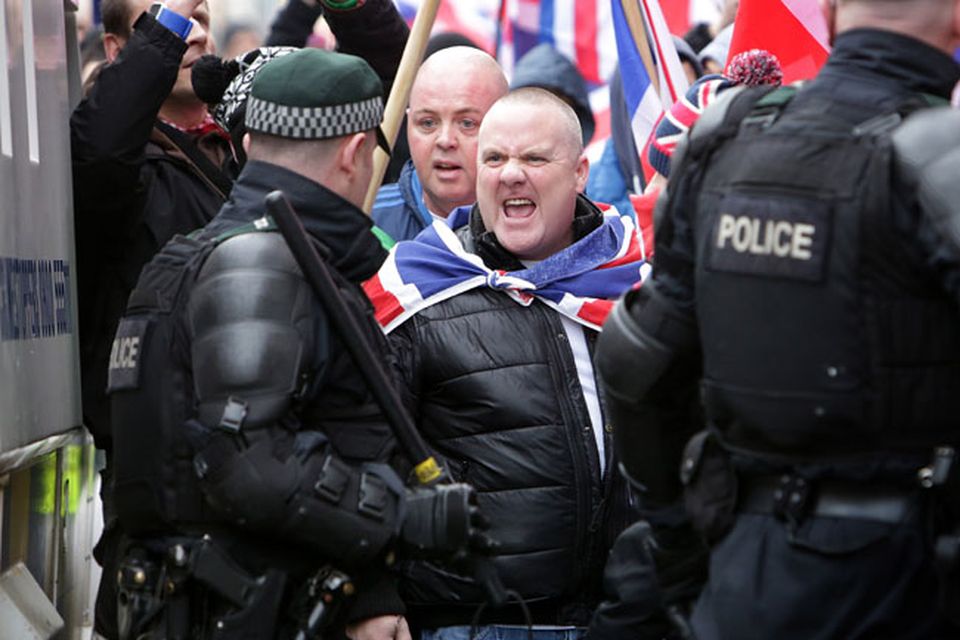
333	480
233	415
372	501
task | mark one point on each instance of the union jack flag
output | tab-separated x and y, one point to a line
580	29
582	282
645	102
476	19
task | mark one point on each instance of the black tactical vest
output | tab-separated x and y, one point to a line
155	431
821	333
154	481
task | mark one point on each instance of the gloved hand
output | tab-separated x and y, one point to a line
443	522
681	560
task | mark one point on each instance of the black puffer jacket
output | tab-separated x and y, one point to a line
495	391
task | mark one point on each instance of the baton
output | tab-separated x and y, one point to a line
317	273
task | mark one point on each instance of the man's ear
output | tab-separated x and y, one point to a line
246	143
582	171
112	44
350	157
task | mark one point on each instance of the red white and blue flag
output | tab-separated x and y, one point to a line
476	19
580	29
582	282
645	103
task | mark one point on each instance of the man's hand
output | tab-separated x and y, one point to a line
380	628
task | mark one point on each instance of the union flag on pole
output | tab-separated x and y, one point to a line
579	29
793	30
645	36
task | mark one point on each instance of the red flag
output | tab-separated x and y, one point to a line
793	30
677	14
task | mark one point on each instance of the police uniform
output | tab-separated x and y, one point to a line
799	280
248	450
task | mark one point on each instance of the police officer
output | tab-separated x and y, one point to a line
248	450
806	278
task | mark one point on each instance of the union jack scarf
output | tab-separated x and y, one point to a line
581	282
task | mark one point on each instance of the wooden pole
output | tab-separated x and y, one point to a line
631	10
400	93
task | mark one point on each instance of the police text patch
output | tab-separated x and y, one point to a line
125	355
770	237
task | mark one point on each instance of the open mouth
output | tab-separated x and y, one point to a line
446	167
518	207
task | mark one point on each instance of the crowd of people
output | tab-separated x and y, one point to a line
728	417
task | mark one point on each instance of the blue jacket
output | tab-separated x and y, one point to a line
399	208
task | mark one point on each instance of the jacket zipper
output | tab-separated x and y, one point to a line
582	477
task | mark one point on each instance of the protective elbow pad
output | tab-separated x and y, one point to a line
927	148
641	341
251	330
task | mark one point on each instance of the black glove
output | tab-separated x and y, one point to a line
443	522
681	559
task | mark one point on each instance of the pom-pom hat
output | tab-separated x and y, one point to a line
314	94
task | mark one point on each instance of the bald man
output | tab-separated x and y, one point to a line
501	383
450	96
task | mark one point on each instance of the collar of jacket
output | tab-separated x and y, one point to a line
412	192
342	228
586	217
213	146
911	63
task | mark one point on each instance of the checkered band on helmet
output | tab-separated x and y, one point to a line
235	97
313	123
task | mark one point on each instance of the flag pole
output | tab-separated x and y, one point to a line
631	10
400	92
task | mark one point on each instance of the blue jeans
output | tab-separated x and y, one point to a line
501	632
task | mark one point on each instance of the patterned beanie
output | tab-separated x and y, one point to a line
674	124
751	68
230	109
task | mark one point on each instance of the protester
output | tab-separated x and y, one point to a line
245	436
493	323
827	370
450	95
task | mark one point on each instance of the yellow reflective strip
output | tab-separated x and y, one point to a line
427	471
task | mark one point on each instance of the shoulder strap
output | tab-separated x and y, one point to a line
206	168
259	225
722	121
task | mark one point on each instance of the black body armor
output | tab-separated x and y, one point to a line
812	344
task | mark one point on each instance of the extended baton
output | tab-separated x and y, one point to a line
316	272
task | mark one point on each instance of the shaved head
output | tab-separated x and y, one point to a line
449	98
460	65
568	131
